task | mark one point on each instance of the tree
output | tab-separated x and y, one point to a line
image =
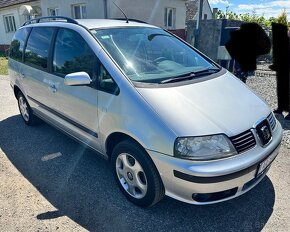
220	15
283	18
270	21
245	17
254	18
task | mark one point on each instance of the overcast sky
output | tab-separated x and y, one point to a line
267	7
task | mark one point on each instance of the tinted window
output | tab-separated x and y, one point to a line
17	44
72	54
36	52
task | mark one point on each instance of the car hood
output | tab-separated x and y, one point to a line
219	105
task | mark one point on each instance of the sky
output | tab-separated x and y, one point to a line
267	8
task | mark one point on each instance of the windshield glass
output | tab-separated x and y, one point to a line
150	54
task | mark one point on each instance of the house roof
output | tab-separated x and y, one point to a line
192	8
6	3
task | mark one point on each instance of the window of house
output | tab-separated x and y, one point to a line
170	17
28	17
17	44
9	22
36	52
79	11
53	11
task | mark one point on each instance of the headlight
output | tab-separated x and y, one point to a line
204	148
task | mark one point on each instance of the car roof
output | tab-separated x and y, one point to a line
107	23
86	23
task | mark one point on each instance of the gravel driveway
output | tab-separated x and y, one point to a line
48	182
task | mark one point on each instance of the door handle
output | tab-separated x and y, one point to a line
52	88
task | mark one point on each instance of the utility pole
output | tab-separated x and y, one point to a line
199	13
198	23
105	9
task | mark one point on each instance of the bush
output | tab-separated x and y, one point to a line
2	54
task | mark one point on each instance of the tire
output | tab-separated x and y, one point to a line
136	174
25	111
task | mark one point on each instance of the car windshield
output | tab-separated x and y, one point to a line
151	55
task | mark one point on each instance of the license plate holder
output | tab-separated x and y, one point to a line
266	163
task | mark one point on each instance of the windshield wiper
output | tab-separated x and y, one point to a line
190	75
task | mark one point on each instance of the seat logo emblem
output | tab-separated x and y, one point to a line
266	133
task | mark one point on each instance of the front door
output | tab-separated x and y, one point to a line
75	106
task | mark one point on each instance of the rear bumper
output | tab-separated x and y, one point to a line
215	181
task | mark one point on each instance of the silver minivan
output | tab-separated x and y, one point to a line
170	120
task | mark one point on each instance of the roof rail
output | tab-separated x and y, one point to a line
132	20
50	18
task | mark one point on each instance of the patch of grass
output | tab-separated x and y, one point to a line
2	54
3	66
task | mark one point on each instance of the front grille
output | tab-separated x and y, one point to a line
244	141
272	121
264	132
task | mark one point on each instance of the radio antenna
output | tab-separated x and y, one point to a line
127	20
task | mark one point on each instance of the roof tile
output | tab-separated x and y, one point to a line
6	3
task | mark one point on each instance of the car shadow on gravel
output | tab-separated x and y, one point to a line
80	185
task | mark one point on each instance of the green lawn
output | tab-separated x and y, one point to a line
3	66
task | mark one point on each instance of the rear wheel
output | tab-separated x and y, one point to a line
25	110
136	174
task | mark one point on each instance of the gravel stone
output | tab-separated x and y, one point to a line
265	86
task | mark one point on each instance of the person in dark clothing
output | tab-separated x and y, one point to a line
246	44
239	73
281	64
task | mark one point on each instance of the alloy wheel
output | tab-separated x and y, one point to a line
131	175
23	108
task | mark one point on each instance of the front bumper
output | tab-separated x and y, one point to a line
214	181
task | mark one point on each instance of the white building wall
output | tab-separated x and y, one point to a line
151	11
5	38
94	8
205	10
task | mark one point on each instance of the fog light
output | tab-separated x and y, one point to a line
208	197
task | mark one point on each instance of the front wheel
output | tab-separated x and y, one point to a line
136	174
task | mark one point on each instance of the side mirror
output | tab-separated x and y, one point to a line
77	78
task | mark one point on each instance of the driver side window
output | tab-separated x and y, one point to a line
73	54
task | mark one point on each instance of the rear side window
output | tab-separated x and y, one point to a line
17	44
36	52
72	54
